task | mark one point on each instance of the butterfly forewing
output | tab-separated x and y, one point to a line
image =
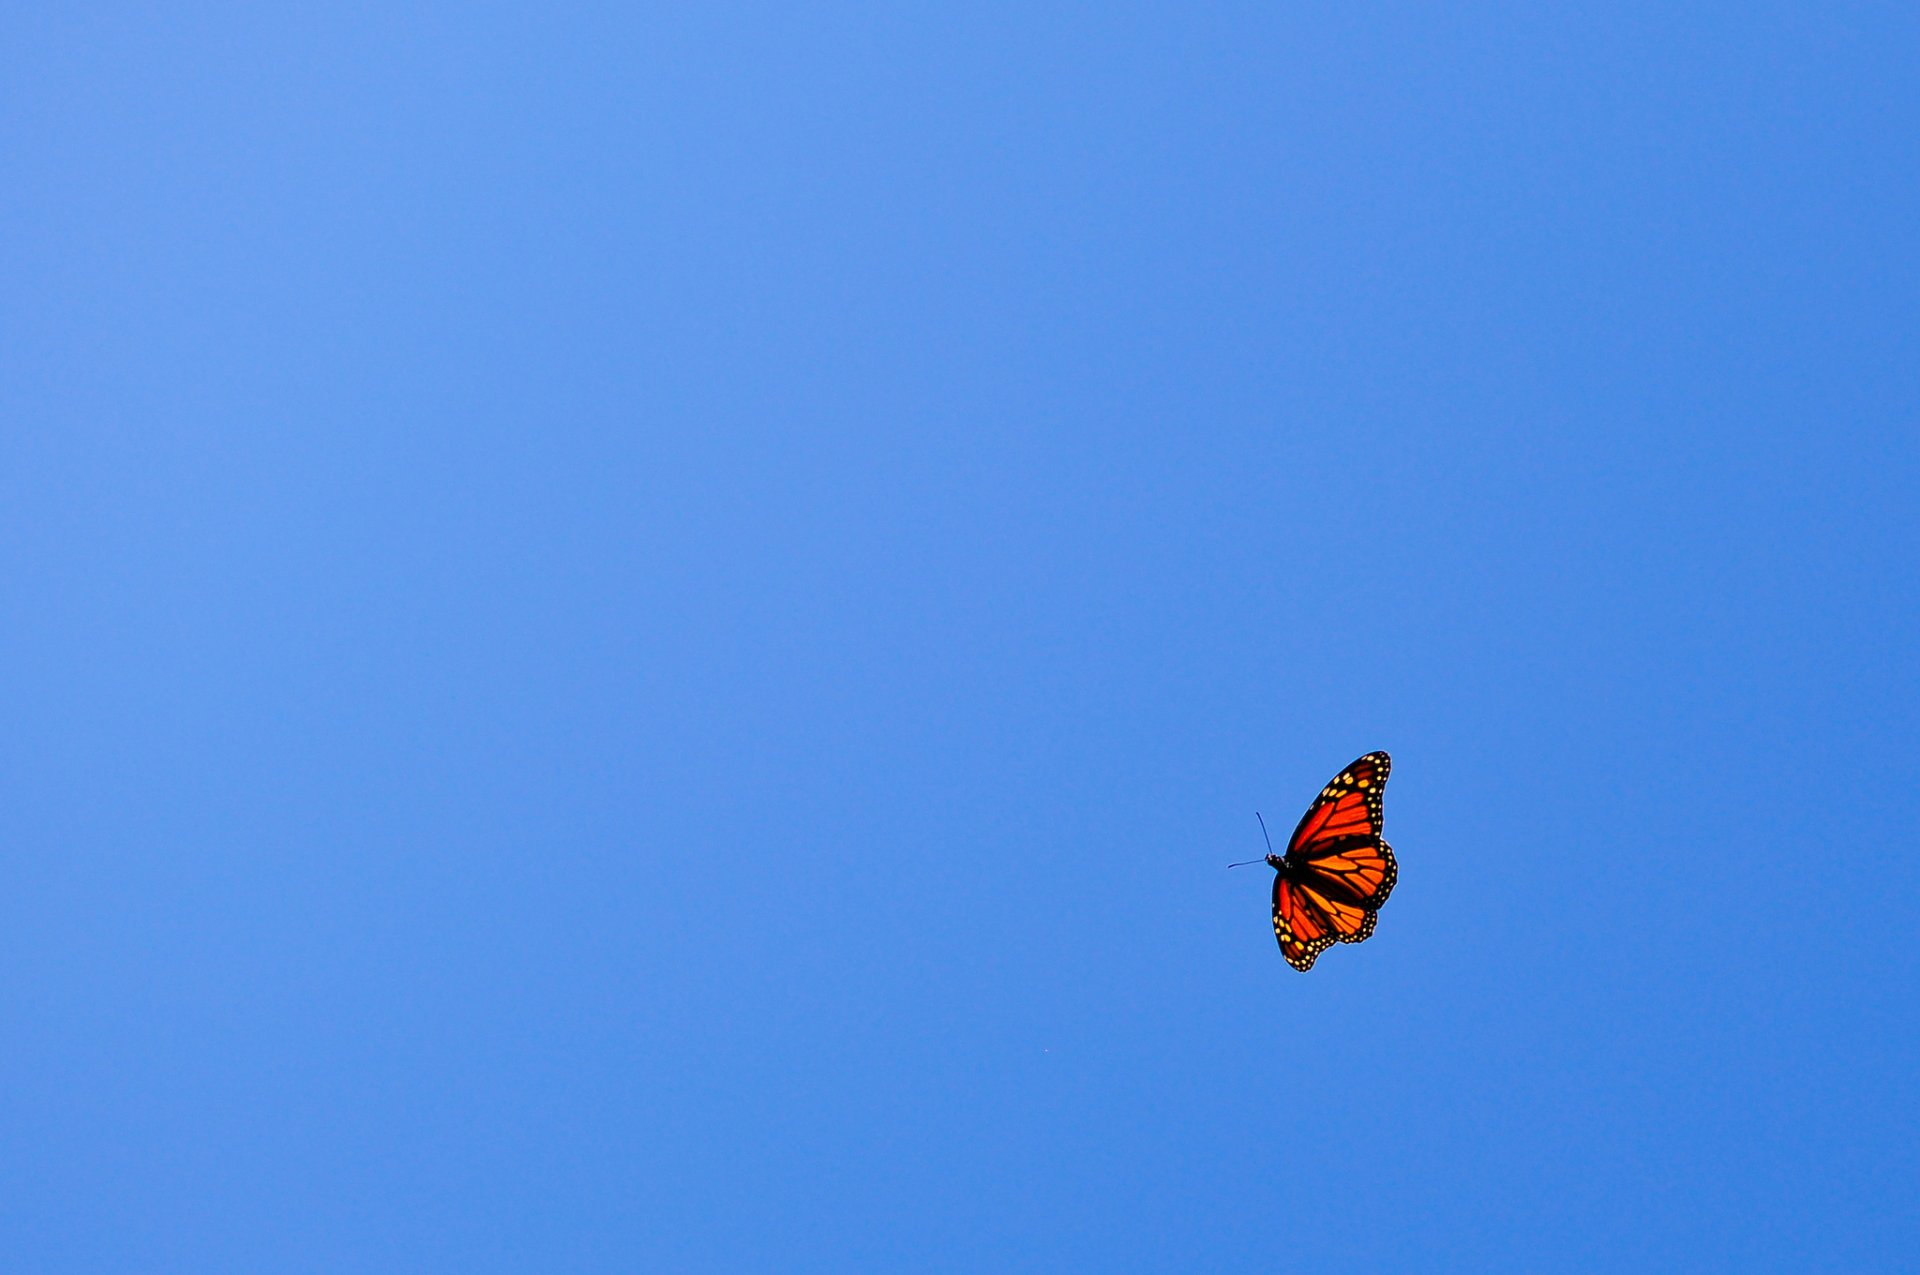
1303	933
1350	805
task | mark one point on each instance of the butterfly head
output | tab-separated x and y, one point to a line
1277	863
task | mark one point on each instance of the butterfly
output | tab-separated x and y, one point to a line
1336	873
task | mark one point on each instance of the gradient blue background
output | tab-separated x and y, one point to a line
635	638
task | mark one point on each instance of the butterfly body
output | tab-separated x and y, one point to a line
1337	869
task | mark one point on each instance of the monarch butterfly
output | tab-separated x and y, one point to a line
1336	873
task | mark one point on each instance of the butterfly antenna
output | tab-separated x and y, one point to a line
1263	832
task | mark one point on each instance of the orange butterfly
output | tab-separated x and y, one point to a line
1337	871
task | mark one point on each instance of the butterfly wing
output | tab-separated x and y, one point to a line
1362	872
1350	805
1338	870
1303	930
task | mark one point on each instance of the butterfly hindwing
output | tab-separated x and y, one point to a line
1345	917
1363	867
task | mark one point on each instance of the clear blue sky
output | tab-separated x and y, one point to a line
635	637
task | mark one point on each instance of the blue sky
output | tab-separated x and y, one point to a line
637	636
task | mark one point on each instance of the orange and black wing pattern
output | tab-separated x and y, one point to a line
1337	870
